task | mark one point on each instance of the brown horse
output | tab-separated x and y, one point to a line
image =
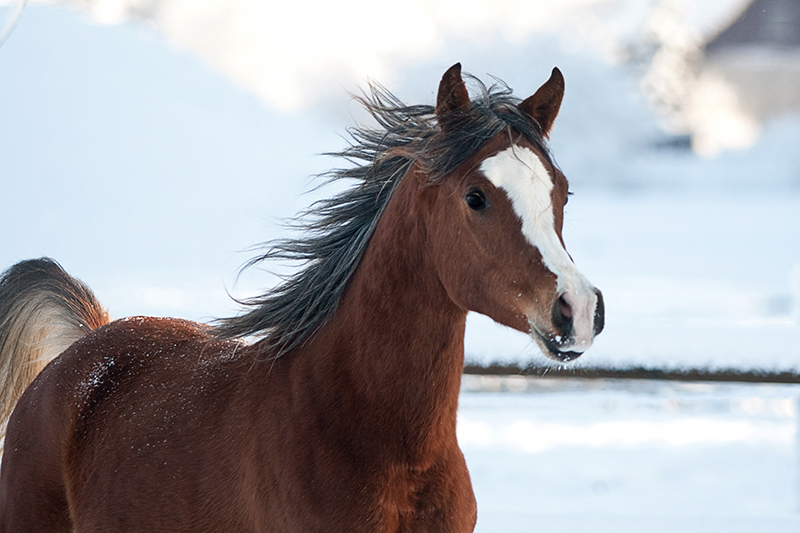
341	414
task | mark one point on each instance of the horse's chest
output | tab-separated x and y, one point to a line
439	500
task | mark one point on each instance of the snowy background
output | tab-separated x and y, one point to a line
147	145
631	456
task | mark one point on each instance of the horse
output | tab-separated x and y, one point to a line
329	402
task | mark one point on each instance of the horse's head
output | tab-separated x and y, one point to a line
497	228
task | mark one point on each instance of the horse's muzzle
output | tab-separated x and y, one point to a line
576	322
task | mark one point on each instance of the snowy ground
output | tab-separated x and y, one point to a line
631	456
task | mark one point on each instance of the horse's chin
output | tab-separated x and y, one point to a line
550	347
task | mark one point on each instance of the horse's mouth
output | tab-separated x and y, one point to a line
552	349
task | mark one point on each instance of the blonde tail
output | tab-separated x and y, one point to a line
42	311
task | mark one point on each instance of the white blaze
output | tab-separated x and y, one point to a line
520	173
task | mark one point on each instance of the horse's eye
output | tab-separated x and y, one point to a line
476	200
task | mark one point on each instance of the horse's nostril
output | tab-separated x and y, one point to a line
562	317
564	308
599	313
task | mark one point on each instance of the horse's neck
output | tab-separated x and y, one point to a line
393	353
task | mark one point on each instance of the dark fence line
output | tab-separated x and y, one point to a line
721	375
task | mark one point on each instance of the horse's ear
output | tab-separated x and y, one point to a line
543	106
453	95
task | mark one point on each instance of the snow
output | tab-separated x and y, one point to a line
630	456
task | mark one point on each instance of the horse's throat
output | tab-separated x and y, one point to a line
406	341
395	349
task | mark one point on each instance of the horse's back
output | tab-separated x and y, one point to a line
106	421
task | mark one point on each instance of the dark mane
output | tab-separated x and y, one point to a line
336	231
